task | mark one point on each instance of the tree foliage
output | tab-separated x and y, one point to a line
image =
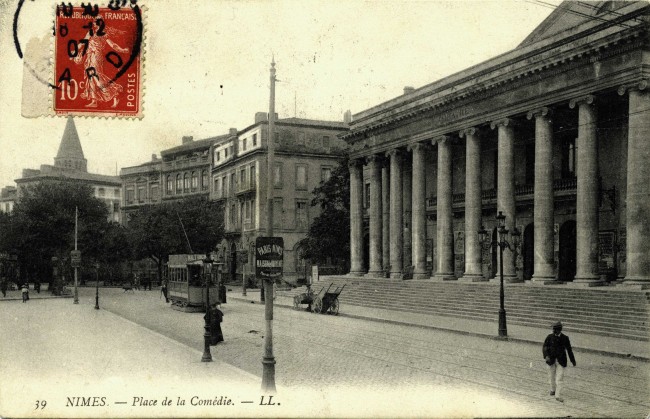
191	225
42	226
328	240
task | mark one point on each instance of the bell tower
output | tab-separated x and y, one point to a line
71	155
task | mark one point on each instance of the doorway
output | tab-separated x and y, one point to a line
528	251
233	262
567	250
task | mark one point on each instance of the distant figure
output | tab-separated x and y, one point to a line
25	292
216	317
3	287
554	351
163	290
136	282
37	287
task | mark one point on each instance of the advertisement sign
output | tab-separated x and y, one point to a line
75	258
269	252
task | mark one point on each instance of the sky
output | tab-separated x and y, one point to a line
206	67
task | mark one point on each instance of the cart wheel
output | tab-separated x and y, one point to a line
334	308
296	302
318	305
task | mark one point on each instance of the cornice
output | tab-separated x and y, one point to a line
546	67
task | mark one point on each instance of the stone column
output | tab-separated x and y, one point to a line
638	188
506	190
396	216
376	266
543	218
356	218
385	207
419	218
587	193
473	205
444	212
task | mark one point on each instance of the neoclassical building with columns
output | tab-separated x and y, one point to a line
554	134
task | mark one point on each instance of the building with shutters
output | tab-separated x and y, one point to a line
306	152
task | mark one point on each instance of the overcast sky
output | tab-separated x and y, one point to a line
207	67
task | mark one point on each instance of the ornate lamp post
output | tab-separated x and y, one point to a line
207	356
97	286
502	242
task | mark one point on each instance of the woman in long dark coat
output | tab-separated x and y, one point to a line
216	317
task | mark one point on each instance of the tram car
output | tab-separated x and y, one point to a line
186	276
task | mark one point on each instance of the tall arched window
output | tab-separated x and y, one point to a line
204	180
186	182
179	183
195	181
170	185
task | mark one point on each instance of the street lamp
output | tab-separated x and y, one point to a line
207	357
502	242
97	286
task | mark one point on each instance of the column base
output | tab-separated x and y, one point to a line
545	280
375	274
396	275
360	273
589	282
507	279
421	275
444	277
472	278
637	283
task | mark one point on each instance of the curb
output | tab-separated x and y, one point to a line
460	332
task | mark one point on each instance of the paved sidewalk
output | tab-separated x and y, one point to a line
81	362
604	345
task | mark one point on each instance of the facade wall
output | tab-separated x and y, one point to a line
559	148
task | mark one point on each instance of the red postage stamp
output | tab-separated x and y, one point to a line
97	61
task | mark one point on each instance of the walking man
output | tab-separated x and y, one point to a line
163	290
554	351
25	292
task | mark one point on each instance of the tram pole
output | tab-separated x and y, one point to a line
268	361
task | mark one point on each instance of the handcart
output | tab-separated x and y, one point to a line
305	298
327	302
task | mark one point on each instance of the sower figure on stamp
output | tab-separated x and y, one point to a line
99	86
555	351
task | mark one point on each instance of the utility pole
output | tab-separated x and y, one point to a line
268	362
76	291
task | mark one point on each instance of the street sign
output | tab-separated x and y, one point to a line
269	252
75	258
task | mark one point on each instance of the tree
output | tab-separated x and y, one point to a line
43	225
328	240
191	225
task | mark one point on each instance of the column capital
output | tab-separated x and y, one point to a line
375	159
355	163
467	132
443	139
588	100
641	85
417	146
505	122
397	152
539	113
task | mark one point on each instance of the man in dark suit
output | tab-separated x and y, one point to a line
554	351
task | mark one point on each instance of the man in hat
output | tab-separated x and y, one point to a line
554	351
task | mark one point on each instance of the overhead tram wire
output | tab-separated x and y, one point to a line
577	13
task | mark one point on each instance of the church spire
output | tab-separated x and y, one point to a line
70	155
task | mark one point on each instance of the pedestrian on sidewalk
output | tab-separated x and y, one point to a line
163	290
555	351
25	292
3	287
215	319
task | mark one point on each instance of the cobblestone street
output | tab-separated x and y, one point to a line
334	353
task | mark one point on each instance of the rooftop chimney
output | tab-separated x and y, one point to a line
409	90
261	116
187	139
233	131
154	157
347	117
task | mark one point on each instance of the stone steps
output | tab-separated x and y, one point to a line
618	313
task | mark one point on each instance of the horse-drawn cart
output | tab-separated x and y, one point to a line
322	302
